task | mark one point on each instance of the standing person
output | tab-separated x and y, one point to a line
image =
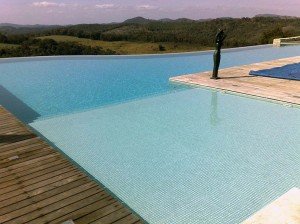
220	37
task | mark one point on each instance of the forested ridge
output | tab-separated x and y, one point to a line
240	32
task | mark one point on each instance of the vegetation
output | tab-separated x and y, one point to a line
139	35
47	47
241	32
130	47
7	46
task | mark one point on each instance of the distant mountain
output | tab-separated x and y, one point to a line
26	26
225	17
10	25
184	20
138	20
9	28
204	20
165	20
276	16
142	20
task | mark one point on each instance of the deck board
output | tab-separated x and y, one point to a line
41	186
237	79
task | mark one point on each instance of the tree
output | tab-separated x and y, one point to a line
3	38
161	47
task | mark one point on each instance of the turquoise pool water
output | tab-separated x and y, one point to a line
193	156
172	154
53	86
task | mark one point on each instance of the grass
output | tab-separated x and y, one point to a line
127	47
5	46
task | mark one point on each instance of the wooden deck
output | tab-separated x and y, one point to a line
38	185
237	79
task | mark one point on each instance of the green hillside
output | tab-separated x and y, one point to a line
143	36
127	47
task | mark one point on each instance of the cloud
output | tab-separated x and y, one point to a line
146	7
46	4
105	6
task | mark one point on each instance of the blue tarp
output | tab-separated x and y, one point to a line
291	71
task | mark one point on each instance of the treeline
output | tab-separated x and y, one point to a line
241	32
14	38
48	47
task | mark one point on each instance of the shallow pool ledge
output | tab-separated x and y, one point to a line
285	209
237	79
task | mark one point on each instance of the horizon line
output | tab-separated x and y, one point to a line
208	18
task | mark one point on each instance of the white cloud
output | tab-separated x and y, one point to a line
105	6
146	7
48	4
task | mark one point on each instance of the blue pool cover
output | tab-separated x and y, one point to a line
291	71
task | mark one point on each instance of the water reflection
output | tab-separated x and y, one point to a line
214	119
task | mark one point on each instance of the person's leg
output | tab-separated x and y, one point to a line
217	59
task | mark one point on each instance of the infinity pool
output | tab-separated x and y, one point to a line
171	153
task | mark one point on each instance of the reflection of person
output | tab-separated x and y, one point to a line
220	37
214	119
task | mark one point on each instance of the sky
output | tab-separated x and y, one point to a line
105	11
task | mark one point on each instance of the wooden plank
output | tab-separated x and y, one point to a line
5	140
11	130
21	200
38	180
51	181
28	157
37	176
22	151
127	219
20	148
32	171
99	213
86	209
50	204
39	185
69	208
13	169
113	217
17	144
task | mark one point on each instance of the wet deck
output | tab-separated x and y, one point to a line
39	185
237	79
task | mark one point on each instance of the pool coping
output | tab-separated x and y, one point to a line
236	80
284	209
